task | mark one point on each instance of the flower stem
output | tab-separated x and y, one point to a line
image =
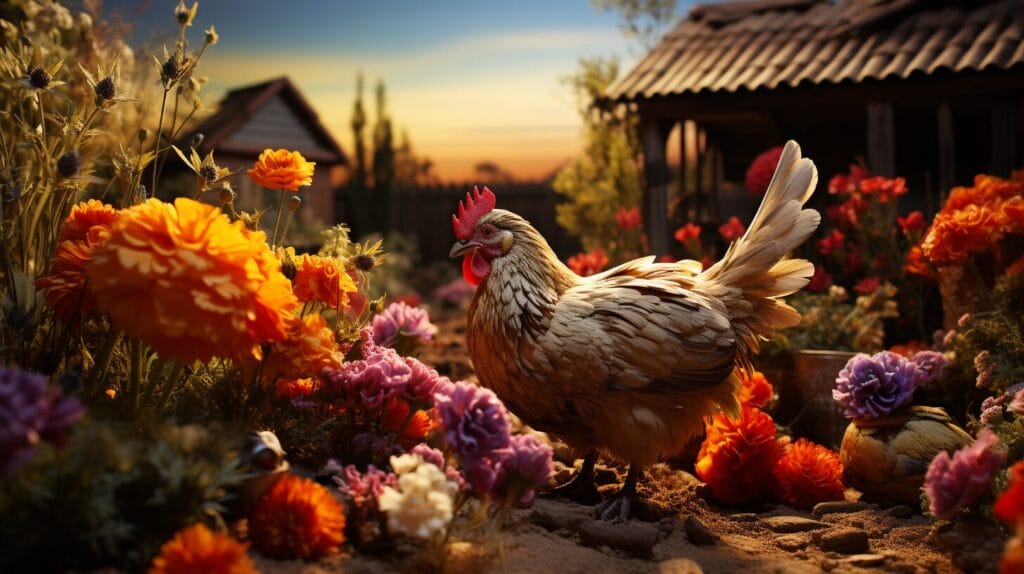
137	358
156	146
277	221
106	354
42	120
169	386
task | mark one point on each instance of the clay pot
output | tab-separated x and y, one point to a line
963	291
804	381
886	457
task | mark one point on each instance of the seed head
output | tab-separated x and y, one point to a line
365	262
39	78
208	172
106	89
69	164
211	36
143	135
170	70
197	140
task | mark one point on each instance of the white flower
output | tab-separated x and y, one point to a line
422	504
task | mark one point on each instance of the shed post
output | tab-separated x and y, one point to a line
653	136
881	139
947	149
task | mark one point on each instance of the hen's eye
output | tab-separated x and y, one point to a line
488	231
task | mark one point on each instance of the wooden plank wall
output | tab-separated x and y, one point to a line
426	214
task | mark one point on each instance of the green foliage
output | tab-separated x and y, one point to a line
645	20
113	496
830	321
607	176
997	332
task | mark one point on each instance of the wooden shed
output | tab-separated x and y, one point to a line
272	114
930	90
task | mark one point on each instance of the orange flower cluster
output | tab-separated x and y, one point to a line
737	457
416	430
807	474
1009	508
755	391
282	169
297	518
307	350
293	388
322	279
975	218
190	283
584	264
63	285
199	549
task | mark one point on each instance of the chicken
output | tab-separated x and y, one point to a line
631	361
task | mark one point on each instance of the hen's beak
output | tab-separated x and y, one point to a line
462	247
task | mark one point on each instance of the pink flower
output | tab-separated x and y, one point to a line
732	230
867	285
474	421
401	320
954	483
525	467
628	219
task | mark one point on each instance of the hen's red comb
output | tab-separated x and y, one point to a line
477	205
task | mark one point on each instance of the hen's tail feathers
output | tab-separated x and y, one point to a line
753	275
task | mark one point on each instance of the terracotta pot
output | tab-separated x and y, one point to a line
963	291
804	381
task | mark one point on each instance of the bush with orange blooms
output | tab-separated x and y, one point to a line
738	455
297	518
199	549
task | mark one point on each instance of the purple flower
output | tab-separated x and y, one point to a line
525	467
363	489
991	408
870	387
367	383
481	473
932	365
954	483
436	457
422	383
30	412
455	291
401	319
474	421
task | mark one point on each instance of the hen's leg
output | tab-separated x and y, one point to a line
620	506
581	489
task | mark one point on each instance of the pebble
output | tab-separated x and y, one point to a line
845	541
837	507
633	538
788	524
679	566
792	542
901	511
551	515
697	533
744	517
865	560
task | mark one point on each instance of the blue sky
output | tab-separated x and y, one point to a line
470	81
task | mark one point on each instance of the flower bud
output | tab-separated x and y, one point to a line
143	135
211	36
227	195
293	203
39	78
69	164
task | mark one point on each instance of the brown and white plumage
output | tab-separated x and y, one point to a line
631	360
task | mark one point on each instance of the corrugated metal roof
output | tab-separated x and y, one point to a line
764	44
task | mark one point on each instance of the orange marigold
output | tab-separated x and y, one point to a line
322	279
415	431
755	391
282	169
1009	507
63	285
952	237
293	388
307	350
190	283
917	263
199	549
737	456
297	518
807	474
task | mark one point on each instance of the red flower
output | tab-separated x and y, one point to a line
584	264
1009	507
687	232
756	391
909	349
851	210
732	230
852	263
1015	267
883	188
666	259
737	456
914	221
846	184
820	281
807	474
628	218
866	286
412	300
415	431
917	264
831	244
761	170
293	389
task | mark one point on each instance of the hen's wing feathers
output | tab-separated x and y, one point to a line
640	326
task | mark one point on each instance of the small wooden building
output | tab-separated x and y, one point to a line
273	114
930	90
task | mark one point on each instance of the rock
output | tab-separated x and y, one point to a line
553	515
793	542
743	517
679	566
697	533
845	541
901	511
865	560
789	524
828	564
837	507
636	539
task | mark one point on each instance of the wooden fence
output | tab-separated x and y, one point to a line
426	214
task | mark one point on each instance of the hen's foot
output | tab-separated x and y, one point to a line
581	489
620	506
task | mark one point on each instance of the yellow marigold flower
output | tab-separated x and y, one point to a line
308	349
282	169
199	549
322	279
63	285
297	518
190	283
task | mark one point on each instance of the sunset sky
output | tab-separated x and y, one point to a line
469	80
